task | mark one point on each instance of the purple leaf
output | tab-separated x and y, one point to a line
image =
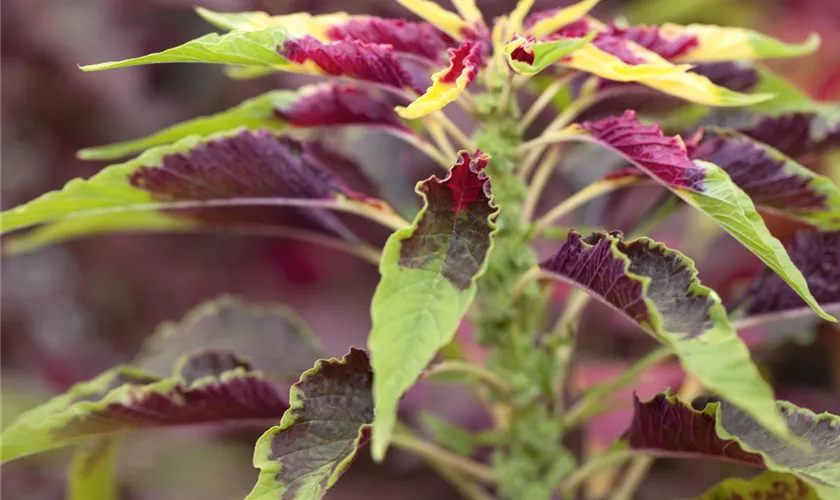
797	134
817	255
371	62
766	486
772	180
669	427
418	38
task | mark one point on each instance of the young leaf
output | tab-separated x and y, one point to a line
429	272
228	180
447	84
93	470
766	486
528	57
772	180
271	338
210	387
669	427
818	256
319	435
702	185
657	288
242	48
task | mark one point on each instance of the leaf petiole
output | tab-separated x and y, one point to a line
402	438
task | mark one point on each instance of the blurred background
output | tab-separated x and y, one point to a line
71	311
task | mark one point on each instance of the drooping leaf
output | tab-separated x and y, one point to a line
666	426
657	288
772	180
817	254
227	180
766	486
447	84
210	387
241	48
429	272
93	470
320	105
417	38
702	185
271	338
319	435
528	57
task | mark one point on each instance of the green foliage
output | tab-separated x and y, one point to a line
93	470
241	48
766	486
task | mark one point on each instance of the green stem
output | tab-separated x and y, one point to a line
477	371
544	100
581	198
592	466
430	451
538	183
591	404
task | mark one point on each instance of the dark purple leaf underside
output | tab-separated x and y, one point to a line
221	395
796	134
332	104
418	38
593	264
666	426
372	62
456	223
817	255
761	175
246	165
665	158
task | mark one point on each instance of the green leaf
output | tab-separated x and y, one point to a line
734	211
666	426
270	337
93	470
702	185
447	434
530	57
788	98
766	486
210	387
243	48
657	288
319	435
200	183
429	272
252	114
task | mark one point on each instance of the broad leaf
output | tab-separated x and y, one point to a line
319	435
242	48
766	486
233	180
818	256
798	134
657	288
93	470
702	185
210	387
772	180
529	57
270	338
429	272
667	426
322	105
